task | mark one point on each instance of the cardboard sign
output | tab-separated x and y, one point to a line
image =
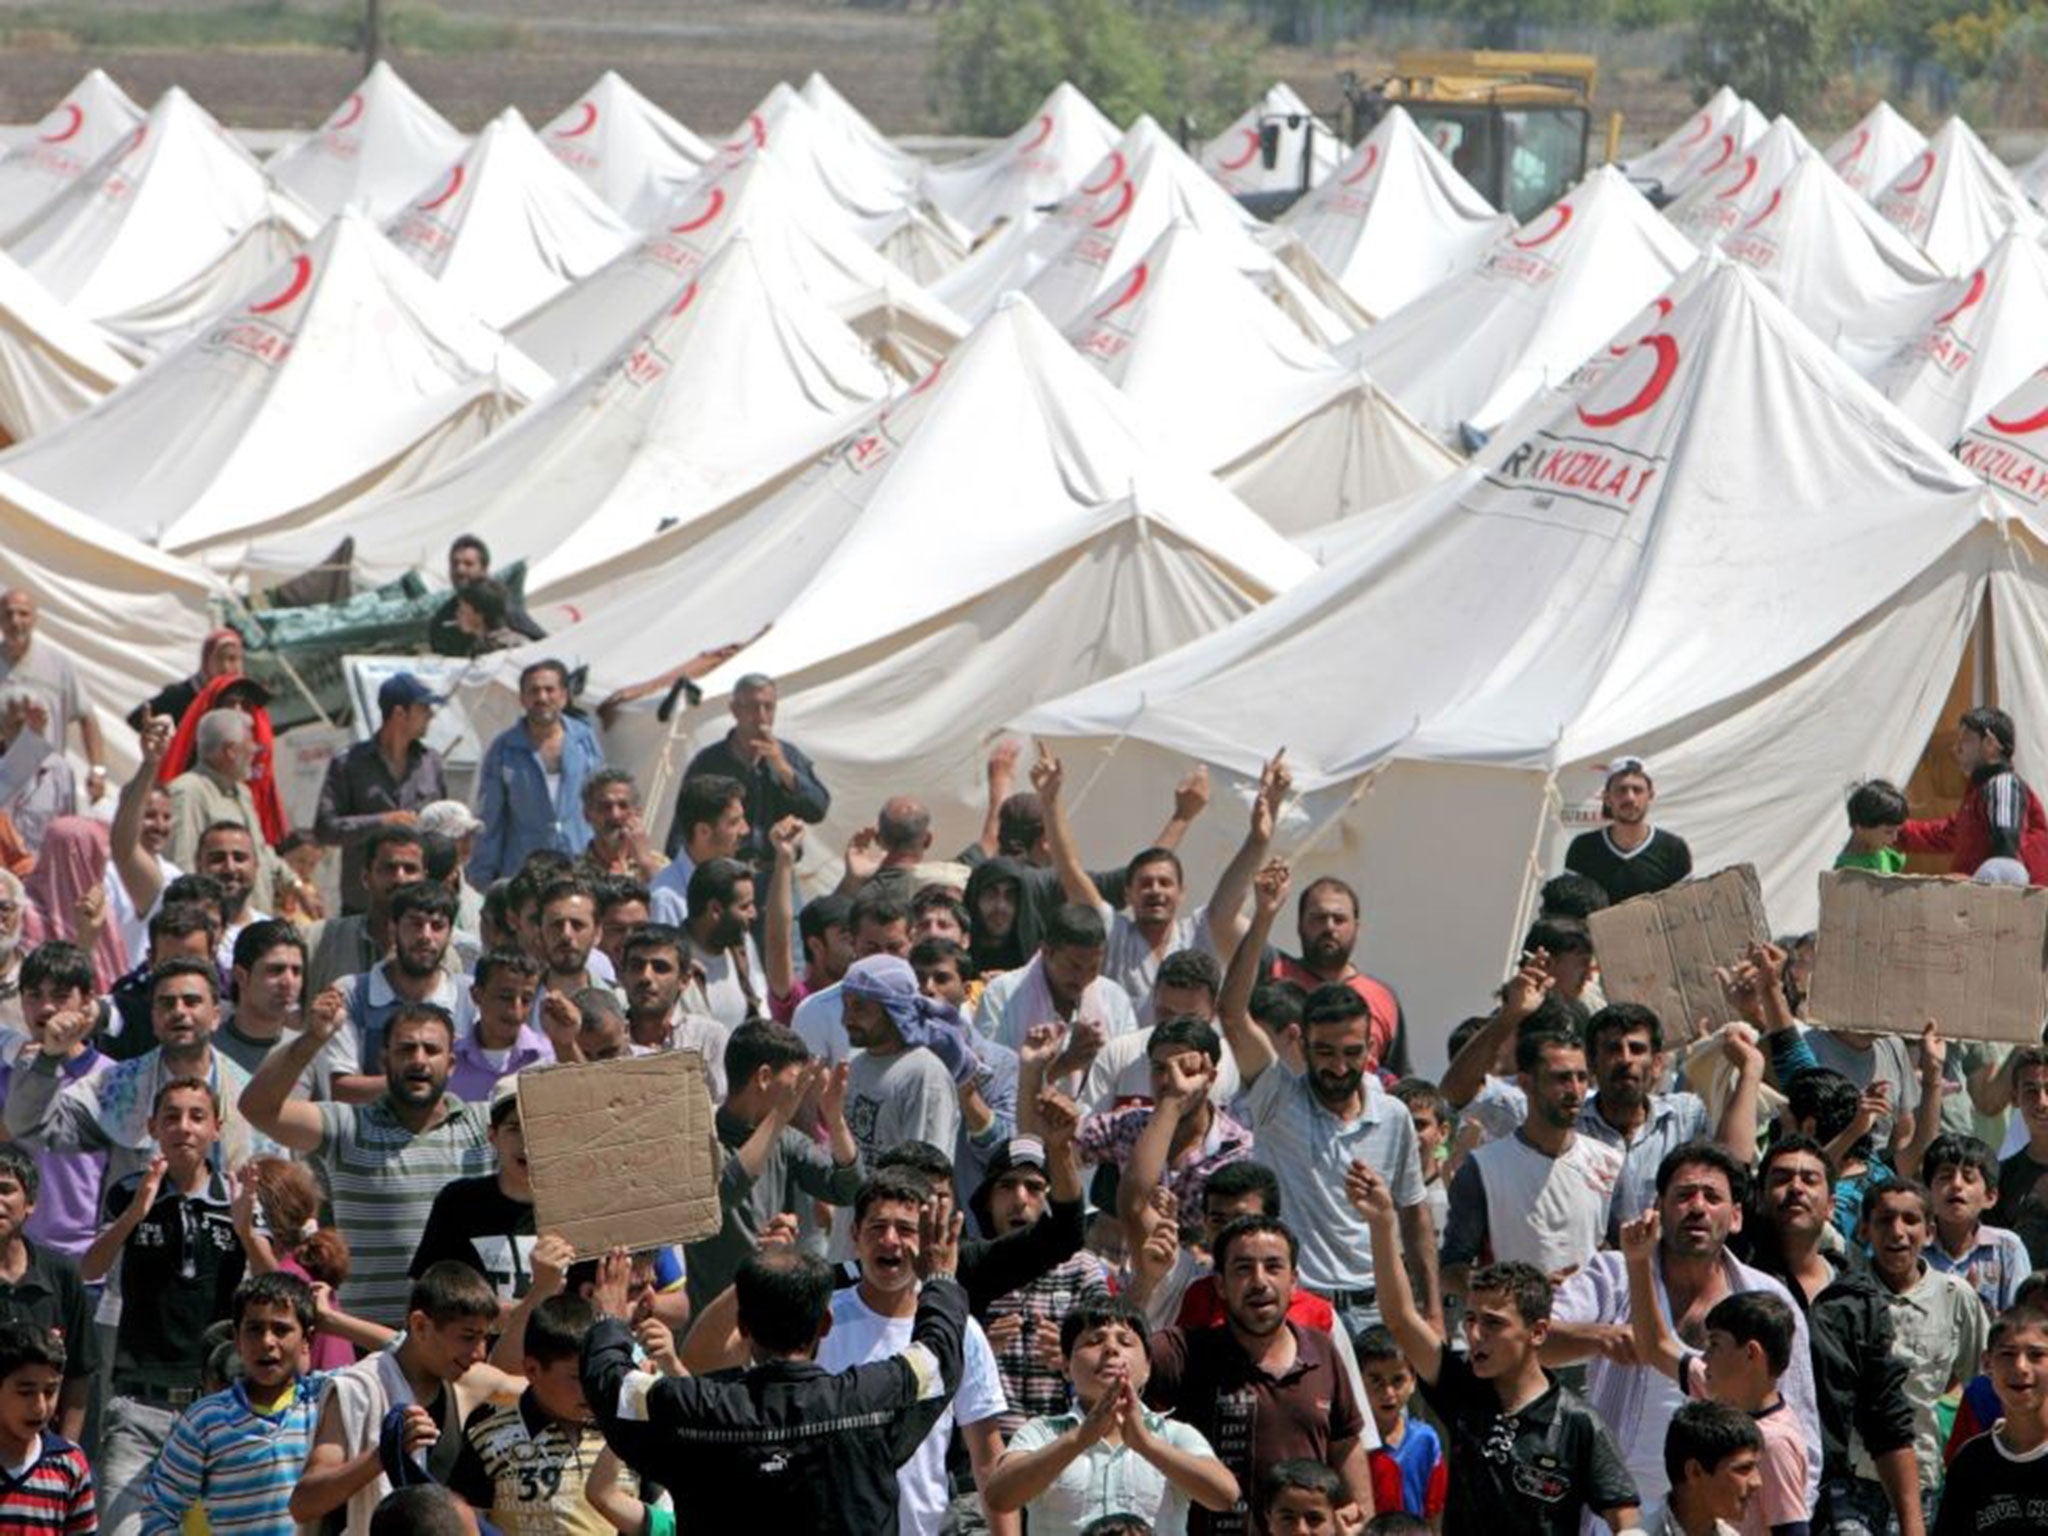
1897	950
622	1153
1661	950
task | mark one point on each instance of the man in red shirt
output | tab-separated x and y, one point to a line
2000	821
1326	922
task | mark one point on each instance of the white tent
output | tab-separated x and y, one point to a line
1870	154
1034	168
1861	285
161	208
1236	156
1301	438
1955	198
129	618
740	384
626	149
2009	446
153	327
88	122
1991	335
346	369
1396	218
909	329
1470	351
824	98
53	365
375	151
1659	569
1667	162
2033	179
1741	128
506	228
1721	203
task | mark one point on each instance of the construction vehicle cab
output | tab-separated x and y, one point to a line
1516	125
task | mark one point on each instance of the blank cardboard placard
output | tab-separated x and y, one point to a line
1660	950
622	1153
1897	950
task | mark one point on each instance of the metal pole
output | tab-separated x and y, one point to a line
373	33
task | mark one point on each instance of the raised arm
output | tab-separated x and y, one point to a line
1927	1118
1145	1169
1002	779
1190	799
1227	920
552	1255
1249	1047
1737	1131
42	1110
106	1246
1522	996
268	1102
1419	1341
1656	1344
137	867
1047	777
778	954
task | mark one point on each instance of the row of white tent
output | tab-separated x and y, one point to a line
1142	457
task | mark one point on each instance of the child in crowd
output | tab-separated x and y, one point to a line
1110	1454
1511	1425
1978	1409
1432	1116
45	1481
1408	1470
1998	1485
1749	1346
1962	1174
1305	1498
1876	812
236	1455
277	1209
1711	1454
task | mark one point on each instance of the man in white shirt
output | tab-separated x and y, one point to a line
1063	984
733	988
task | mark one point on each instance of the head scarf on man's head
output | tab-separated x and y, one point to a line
890	981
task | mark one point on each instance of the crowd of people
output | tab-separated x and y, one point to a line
1054	1195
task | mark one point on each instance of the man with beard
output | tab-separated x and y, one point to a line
1326	923
1062	984
1629	857
384	1161
567	923
899	1087
774	775
1261	1388
1700	1192
1859	1383
393	857
732	987
503	1042
1331	1115
422	924
215	790
619	844
654	972
711	823
270	974
1543	1196
622	906
530	783
232	859
384	782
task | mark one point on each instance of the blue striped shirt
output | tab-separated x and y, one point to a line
240	1465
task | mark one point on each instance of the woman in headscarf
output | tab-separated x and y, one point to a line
70	877
248	695
1006	925
220	655
13	930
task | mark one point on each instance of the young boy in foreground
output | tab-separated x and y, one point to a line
1998	1483
45	1481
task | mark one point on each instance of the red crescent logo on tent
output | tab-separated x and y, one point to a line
1705	127
1748	175
1769	208
1856	150
1919	181
1116	170
1663	308
1660	378
350	111
714	205
589	122
757	131
1564	217
75	119
1132	289
135	143
1123	206
1971	296
2022	427
302	274
1251	148
1038	138
689	296
1372	158
1727	154
454	186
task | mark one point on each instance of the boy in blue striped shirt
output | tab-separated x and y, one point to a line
237	1454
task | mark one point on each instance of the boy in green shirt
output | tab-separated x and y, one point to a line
1877	809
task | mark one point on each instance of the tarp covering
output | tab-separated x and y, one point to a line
1990	336
376	151
1396	218
1236	156
1657	569
347	365
95	116
1034	168
53	365
1870	154
626	149
1955	198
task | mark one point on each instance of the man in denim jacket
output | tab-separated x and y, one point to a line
530	785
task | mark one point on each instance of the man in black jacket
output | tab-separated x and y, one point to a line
784	1445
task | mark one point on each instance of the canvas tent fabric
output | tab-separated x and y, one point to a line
2033	179
626	149
1855	280
823	97
153	327
378	148
739	384
1955	198
1990	336
1236	156
1875	150
1034	168
1395	218
1657	569
908	328
346	367
94	116
1724	203
53	365
1471	351
1723	145
2008	446
1301	438
507	227
1658	168
156	211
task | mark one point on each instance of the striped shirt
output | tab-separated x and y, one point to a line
234	1461
382	1178
55	1494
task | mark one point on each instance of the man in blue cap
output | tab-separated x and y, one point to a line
382	782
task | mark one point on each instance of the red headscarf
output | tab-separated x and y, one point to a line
183	752
72	860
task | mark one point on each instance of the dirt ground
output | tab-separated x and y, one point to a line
704	60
